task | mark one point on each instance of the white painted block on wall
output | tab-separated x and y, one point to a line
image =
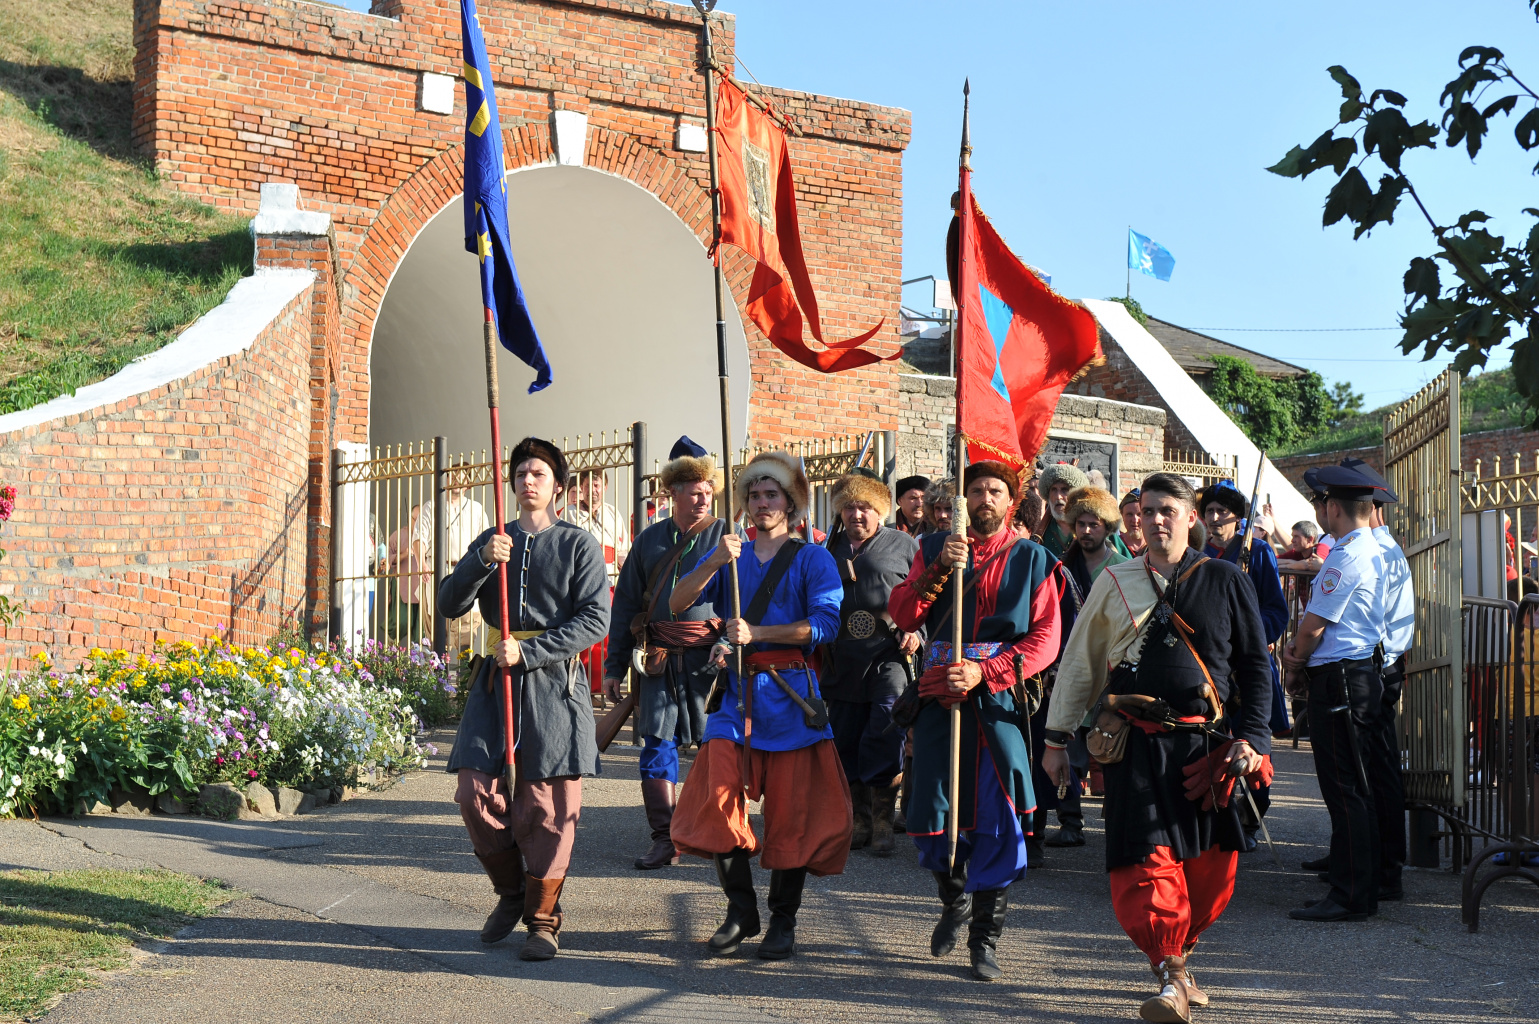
437	94
691	137
571	137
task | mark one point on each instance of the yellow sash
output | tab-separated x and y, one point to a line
494	635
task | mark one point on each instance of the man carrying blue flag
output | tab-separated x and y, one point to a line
486	208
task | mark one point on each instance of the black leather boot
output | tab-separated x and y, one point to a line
785	899
983	934
860	805
884	800
735	872
506	870
956	910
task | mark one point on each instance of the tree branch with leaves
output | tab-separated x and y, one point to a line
1495	292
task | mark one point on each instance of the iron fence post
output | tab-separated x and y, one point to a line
440	538
333	599
638	477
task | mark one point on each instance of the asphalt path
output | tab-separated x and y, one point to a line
368	911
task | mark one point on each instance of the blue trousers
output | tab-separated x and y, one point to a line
994	850
869	752
659	758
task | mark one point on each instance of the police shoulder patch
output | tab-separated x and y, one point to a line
1330	579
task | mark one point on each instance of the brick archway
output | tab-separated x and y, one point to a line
441	180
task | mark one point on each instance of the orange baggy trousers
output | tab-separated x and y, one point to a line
807	815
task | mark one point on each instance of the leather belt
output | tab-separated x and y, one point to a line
778	661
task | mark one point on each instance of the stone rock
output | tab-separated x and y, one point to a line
221	800
94	807
133	800
306	804
344	793
260	799
174	803
289	800
323	795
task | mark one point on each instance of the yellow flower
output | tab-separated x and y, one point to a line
21	703
118	714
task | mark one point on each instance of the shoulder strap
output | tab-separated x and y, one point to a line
669	561
778	567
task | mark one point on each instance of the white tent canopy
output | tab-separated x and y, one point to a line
1209	424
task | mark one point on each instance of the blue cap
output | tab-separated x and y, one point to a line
1345	483
684	446
1382	492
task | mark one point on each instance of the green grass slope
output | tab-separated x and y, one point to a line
99	263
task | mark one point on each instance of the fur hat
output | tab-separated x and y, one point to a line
538	448
939	491
853	487
1006	475
912	483
783	468
1061	472
688	463
1224	493
1099	503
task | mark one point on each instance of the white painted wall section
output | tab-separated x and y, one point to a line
225	330
1212	427
571	137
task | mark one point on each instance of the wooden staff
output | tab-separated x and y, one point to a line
1250	518
509	719
958	529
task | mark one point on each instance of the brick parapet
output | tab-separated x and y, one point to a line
168	515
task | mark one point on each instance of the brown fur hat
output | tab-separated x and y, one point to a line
783	468
853	487
1006	475
690	469
1099	503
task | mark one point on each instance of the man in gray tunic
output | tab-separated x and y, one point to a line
670	650
558	597
864	668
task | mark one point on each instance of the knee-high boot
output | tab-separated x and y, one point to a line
785	899
659	797
983	934
956	909
506	870
735	872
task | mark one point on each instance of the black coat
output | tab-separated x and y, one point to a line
865	669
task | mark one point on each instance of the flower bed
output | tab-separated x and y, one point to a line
189	715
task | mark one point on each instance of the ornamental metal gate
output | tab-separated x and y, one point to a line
403	515
1421	463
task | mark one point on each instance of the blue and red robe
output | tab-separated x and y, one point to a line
1012	609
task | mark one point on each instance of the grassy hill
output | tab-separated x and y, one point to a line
1487	401
99	263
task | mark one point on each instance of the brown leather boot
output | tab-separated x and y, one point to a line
884	802
658	796
1173	1003
860	800
506	870
1194	995
542	914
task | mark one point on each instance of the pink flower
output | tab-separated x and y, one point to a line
251	773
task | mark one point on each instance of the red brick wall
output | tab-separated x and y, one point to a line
169	515
229	95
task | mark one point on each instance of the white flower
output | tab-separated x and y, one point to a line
16	779
40	736
31	751
61	773
59	758
83	749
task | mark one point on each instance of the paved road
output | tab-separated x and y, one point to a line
368	912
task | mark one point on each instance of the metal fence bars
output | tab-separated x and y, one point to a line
1200	466
1421	462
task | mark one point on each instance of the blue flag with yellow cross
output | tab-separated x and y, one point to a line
486	207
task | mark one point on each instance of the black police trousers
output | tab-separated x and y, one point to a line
1345	707
1384	777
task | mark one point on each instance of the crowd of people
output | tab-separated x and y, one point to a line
1136	643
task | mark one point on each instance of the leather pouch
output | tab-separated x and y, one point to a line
1107	739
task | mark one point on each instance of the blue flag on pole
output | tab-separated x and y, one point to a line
486	207
1149	257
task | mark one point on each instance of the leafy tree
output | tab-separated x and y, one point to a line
1134	309
1273	413
1345	403
1495	291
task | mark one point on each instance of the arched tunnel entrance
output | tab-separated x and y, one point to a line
621	292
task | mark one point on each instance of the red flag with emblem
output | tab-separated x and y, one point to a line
758	216
1019	342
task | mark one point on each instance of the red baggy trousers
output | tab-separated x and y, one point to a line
1164	904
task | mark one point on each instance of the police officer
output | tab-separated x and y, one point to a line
1335	650
1399	628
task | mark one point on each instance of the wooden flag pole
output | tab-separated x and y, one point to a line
707	68
509	719
959	506
1250	515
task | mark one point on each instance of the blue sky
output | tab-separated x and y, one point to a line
1088	117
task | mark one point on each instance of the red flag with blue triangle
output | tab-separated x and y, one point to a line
1019	343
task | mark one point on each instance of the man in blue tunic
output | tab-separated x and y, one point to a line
1010	607
1224	513
672	675
558	598
769	740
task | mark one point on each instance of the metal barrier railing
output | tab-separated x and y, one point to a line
1295	585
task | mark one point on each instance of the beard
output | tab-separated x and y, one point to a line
986	519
